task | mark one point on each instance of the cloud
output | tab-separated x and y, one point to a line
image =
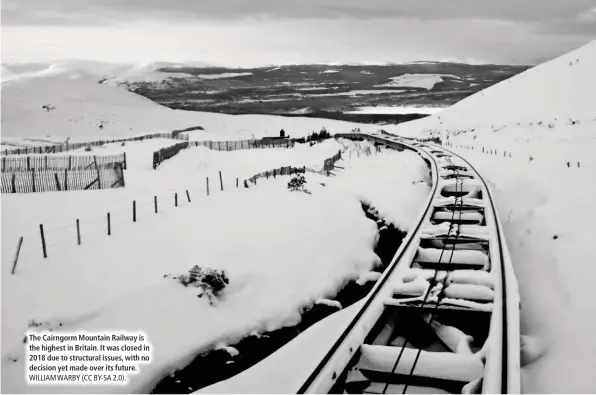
588	16
252	42
258	32
20	12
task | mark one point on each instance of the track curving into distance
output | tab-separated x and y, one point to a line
445	313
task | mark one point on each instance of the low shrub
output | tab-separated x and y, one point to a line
297	183
211	281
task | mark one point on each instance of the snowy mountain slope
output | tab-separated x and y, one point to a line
58	106
76	108
538	134
110	72
560	88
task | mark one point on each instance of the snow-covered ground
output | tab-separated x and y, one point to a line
372	179
396	110
544	118
216	231
222	75
274	375
426	81
58	211
118	282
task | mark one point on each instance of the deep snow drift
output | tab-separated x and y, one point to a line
376	180
58	211
118	281
540	126
77	286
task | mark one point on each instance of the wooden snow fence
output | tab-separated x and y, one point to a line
167	153
28	181
55	162
56	148
328	165
235	145
281	171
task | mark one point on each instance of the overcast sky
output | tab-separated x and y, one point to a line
264	32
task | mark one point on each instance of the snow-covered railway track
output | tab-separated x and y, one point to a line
444	317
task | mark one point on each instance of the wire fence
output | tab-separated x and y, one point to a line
70	162
281	171
61	239
28	181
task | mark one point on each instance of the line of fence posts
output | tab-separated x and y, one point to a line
52	149
492	151
281	171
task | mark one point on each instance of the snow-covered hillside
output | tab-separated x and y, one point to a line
540	129
55	107
215	231
111	73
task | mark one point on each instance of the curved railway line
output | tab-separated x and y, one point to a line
444	316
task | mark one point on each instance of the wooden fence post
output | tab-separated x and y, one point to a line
78	233
97	170
16	257
43	241
28	163
124	168
220	180
155	203
134	211
14	184
65	179
109	226
69	162
176	199
236	182
57	181
33	179
188	196
207	179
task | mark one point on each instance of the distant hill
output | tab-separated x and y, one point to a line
320	89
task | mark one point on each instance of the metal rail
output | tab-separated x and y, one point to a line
506	310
